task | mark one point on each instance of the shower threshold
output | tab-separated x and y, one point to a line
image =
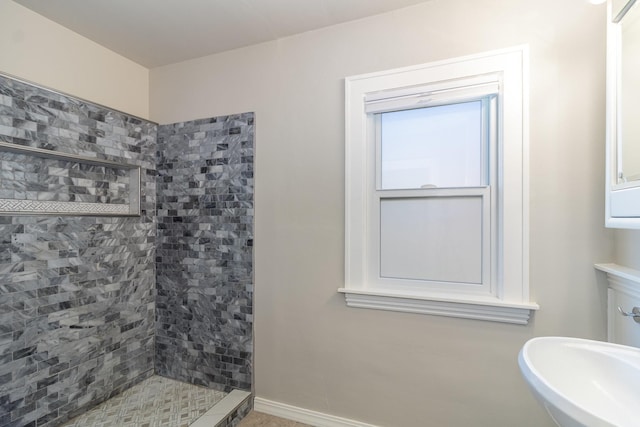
163	402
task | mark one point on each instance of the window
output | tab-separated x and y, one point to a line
436	189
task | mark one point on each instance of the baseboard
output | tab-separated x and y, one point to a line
306	416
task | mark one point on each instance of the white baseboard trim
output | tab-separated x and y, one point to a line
294	413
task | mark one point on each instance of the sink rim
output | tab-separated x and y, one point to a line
550	396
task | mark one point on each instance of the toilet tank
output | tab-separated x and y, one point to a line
623	295
623	329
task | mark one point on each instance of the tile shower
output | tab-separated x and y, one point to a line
93	305
204	251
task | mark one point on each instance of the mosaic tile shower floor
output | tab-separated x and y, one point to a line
155	402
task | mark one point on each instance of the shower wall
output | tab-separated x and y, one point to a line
205	251
76	293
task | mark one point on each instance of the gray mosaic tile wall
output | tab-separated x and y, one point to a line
205	250
76	293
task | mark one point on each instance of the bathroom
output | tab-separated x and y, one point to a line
314	354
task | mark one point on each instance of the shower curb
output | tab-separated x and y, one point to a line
225	412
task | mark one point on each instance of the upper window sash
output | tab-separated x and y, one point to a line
489	133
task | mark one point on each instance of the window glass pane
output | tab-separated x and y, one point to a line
435	238
439	146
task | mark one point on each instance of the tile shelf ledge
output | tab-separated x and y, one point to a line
488	309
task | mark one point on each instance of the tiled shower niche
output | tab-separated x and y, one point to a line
205	251
46	182
80	320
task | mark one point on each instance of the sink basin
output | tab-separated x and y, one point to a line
582	382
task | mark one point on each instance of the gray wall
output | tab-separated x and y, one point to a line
400	369
205	252
628	248
37	49
76	293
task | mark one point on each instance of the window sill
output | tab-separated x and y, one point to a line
492	310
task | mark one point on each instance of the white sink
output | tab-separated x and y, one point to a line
583	382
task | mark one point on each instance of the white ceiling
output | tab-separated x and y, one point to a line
159	32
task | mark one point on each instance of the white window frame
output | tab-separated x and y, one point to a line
478	88
504	296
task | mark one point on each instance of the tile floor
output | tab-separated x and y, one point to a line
155	402
257	419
